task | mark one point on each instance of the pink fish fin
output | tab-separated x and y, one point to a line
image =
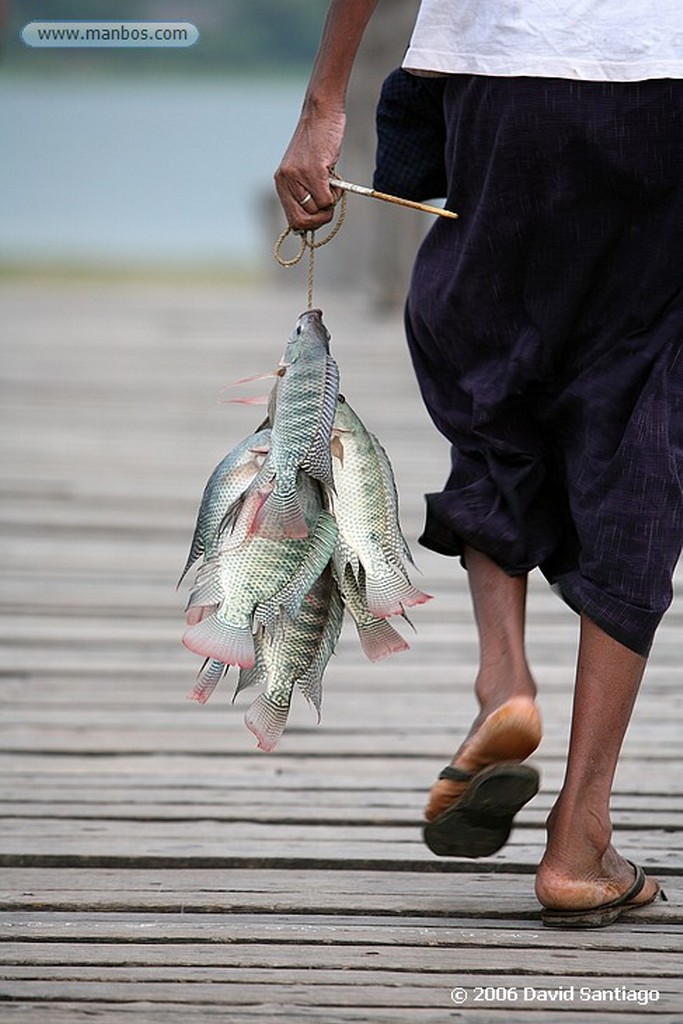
281	516
208	678
337	448
254	400
387	594
197	612
215	638
252	380
266	718
379	639
239	521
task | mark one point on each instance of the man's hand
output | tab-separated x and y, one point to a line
303	178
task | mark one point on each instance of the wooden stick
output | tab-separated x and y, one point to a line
362	190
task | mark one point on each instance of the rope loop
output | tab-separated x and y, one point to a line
307	241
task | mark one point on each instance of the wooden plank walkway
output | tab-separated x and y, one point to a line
154	865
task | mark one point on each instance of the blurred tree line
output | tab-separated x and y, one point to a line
237	37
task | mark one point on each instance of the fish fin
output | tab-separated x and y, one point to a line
222	641
254	400
267	720
379	639
247	677
311	685
206	592
387	594
198	612
337	448
196	550
211	673
239	520
252	380
318	461
281	516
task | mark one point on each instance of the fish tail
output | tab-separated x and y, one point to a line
196	612
281	515
222	641
379	639
390	592
267	720
211	673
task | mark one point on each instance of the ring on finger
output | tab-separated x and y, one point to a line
306	199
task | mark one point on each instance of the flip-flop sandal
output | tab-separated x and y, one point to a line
606	913
480	822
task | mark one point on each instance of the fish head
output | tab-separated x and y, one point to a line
308	335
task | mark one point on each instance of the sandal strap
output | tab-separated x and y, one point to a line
634	889
454	774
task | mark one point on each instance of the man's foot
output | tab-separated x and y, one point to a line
591	883
509	733
592	897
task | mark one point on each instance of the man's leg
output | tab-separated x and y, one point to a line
508	727
580	867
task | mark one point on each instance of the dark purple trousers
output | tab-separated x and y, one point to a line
545	327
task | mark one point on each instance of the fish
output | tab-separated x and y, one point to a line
301	432
365	505
227	482
240	577
377	637
296	655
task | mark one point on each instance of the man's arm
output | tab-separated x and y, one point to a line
316	143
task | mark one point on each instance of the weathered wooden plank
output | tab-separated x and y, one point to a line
372	809
329	988
271	891
267	1012
92	670
304	946
458	901
195	843
465	892
284	771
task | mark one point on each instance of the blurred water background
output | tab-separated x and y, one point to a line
149	157
148	160
144	172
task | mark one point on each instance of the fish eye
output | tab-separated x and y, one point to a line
298	330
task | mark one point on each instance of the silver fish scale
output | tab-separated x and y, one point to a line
302	426
365	503
227	482
310	684
256	570
299	651
289	599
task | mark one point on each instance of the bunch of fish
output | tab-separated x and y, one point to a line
296	524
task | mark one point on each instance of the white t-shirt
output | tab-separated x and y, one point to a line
600	40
